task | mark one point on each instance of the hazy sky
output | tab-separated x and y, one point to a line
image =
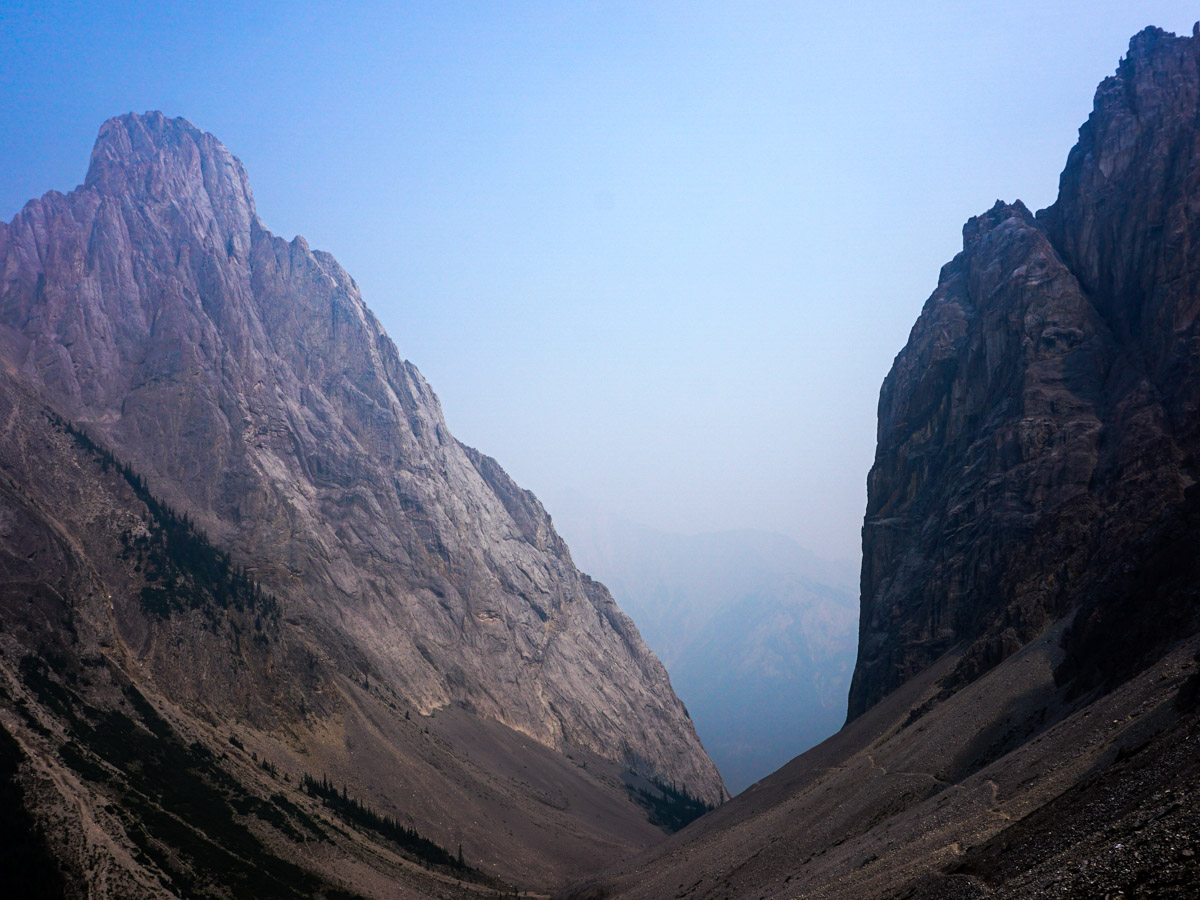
656	254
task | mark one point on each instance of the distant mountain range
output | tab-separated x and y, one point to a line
758	634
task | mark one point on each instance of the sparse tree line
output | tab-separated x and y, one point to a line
354	811
182	568
668	807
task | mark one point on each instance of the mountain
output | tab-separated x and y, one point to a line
1023	718
1038	435
258	533
756	633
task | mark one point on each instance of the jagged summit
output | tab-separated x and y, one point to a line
247	378
246	382
978	226
1147	41
151	159
1023	714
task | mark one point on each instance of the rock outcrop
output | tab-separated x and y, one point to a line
161	718
1038	434
246	379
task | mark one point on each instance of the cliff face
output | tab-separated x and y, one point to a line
1038	434
1024	713
246	379
159	715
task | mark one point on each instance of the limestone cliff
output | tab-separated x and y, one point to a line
1023	714
244	376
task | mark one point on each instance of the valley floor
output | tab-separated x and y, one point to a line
1005	789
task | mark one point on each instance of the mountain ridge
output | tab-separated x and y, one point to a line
435	649
1022	717
211	377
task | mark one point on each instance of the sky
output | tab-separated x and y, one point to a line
658	256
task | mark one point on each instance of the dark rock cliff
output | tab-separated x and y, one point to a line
1038	434
1023	715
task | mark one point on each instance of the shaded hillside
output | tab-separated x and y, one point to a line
1087	800
1023	717
162	742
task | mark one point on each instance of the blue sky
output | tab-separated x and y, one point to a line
658	255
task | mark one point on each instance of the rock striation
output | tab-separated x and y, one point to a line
1038	434
1023	717
243	375
163	722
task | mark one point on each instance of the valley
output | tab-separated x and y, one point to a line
268	629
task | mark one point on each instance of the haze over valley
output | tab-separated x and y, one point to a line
782	623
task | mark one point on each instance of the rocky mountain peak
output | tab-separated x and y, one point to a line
1145	42
245	378
980	226
1124	179
1042	417
155	161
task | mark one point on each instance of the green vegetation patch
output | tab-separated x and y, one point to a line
668	808
183	570
176	804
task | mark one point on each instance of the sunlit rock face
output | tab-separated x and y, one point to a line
1038	434
245	377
